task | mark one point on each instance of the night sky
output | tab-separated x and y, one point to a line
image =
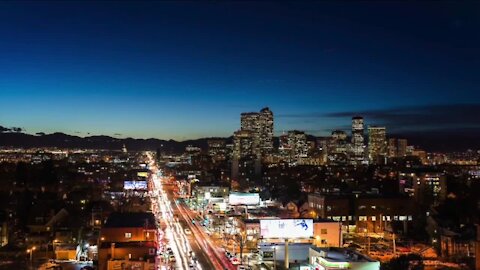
188	69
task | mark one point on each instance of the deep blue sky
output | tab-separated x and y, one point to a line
187	70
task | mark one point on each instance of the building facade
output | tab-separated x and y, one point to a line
377	144
358	140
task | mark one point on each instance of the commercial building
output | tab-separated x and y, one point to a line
421	183
340	258
377	144
338	147
402	147
392	148
217	149
358	140
397	148
293	146
128	239
363	213
261	126
253	141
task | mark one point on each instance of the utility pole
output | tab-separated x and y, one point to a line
275	257
394	245
287	262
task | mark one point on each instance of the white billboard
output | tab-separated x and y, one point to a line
286	228
239	198
135	185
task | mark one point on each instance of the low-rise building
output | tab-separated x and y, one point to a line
128	237
340	258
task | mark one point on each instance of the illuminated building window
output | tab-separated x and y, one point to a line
128	235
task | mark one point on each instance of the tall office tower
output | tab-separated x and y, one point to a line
253	141
284	149
243	144
358	141
377	144
338	147
392	148
297	140
266	131
402	147
261	126
338	143
249	121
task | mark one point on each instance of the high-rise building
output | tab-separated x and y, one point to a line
284	148
402	147
266	131
338	147
392	147
253	141
298	141
397	148
338	142
377	143
261	126
358	141
243	154
243	143
293	145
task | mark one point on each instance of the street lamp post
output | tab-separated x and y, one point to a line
275	257
31	253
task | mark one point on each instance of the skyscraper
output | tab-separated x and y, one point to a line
266	131
298	142
377	143
392	147
253	141
358	141
261	126
243	143
402	148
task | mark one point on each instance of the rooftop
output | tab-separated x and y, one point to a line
341	255
130	220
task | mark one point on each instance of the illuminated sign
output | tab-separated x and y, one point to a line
286	228
238	198
135	185
142	174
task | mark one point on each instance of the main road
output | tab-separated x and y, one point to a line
193	250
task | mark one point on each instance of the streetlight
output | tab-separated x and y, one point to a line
31	252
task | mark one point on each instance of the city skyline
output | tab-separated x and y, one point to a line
184	70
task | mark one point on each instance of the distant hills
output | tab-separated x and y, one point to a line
61	140
453	140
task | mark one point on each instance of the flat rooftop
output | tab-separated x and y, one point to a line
341	255
131	220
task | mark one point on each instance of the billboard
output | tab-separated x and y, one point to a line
286	228
135	185
239	198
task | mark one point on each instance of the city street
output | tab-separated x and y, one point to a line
190	247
